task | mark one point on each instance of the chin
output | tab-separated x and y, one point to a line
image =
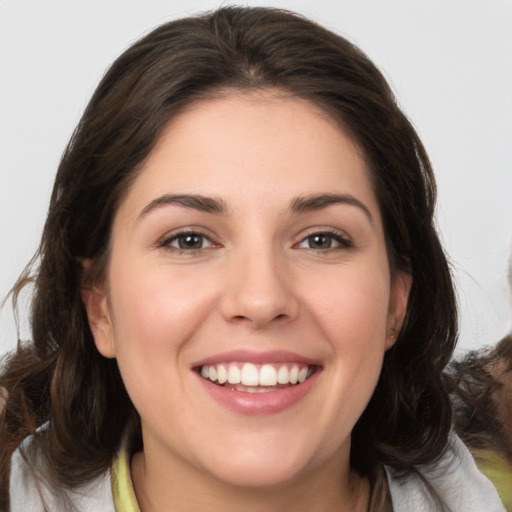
264	475
261	466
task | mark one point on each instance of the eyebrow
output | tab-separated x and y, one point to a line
192	201
206	204
320	201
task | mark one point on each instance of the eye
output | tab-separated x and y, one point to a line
324	241
187	241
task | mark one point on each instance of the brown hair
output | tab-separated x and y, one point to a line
480	385
59	378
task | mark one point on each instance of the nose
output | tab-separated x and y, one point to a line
259	291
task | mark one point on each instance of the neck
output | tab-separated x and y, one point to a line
326	489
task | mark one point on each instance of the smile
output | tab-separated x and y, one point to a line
256	378
249	382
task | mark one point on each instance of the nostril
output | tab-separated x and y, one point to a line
258	322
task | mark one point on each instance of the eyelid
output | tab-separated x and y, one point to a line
345	242
164	241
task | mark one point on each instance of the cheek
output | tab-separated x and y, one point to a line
351	312
155	312
351	307
151	297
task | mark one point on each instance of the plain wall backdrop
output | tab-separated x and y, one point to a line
449	62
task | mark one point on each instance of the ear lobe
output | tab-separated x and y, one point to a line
94	297
398	300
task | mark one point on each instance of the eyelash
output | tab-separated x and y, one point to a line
168	240
342	241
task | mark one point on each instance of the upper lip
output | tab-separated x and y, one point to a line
256	357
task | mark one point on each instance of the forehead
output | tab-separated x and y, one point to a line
259	147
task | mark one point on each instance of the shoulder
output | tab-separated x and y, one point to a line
29	491
454	477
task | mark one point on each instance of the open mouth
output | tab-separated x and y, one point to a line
256	378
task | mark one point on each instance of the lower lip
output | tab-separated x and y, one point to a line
271	402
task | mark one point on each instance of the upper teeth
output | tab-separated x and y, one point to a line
250	374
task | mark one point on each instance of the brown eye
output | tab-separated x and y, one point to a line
192	241
325	241
320	241
188	242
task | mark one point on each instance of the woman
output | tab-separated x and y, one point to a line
241	300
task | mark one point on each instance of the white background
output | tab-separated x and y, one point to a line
449	62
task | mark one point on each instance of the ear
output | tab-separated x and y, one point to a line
398	299
94	297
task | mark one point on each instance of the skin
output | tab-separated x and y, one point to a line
259	283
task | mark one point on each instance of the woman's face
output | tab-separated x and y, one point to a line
247	256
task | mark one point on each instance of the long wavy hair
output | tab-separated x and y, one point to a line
59	379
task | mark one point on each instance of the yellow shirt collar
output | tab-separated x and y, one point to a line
122	487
